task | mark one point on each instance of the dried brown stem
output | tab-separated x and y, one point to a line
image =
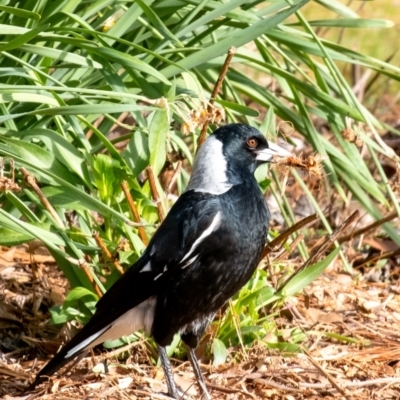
292	246
174	177
30	179
154	192
368	228
326	374
330	239
214	94
230	390
386	254
12	167
83	264
284	236
96	124
134	212
106	252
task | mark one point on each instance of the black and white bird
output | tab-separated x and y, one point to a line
206	249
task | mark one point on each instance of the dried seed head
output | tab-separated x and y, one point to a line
312	164
197	118
7	184
350	135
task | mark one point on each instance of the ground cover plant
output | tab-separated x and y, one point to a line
103	104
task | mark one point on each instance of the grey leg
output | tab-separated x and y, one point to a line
172	391
197	372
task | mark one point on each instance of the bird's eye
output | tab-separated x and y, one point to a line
252	142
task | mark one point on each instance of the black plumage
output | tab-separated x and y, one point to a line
202	254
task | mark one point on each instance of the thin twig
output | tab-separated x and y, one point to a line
214	94
30	179
368	228
292	246
386	254
106	252
174	178
134	212
230	390
275	385
96	124
12	168
284	235
326	374
330	239
154	192
322	386
83	264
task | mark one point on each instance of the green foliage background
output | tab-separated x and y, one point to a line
66	63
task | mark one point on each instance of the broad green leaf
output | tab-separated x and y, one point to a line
26	37
159	128
351	23
92	109
60	55
107	173
10	237
239	108
219	351
238	38
28	98
308	275
338	7
137	154
128	61
20	12
62	150
33	230
32	154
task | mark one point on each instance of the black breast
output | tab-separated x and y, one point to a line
227	260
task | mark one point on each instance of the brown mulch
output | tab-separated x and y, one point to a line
351	349
350	326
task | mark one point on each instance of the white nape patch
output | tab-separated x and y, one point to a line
146	268
139	317
209	169
215	224
86	343
165	269
188	262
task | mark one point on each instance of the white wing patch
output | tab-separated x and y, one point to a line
139	317
158	276
146	268
190	261
215	224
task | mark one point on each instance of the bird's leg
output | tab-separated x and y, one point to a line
172	391
197	372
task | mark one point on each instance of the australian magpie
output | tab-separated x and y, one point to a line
205	250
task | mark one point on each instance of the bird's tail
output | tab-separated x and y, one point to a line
83	340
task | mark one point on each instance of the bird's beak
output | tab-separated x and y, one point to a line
267	155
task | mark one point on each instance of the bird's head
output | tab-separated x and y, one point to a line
245	147
228	156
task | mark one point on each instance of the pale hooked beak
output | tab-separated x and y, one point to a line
267	155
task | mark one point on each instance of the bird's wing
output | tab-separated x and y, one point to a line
174	246
192	218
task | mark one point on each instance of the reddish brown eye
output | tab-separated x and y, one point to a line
252	142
